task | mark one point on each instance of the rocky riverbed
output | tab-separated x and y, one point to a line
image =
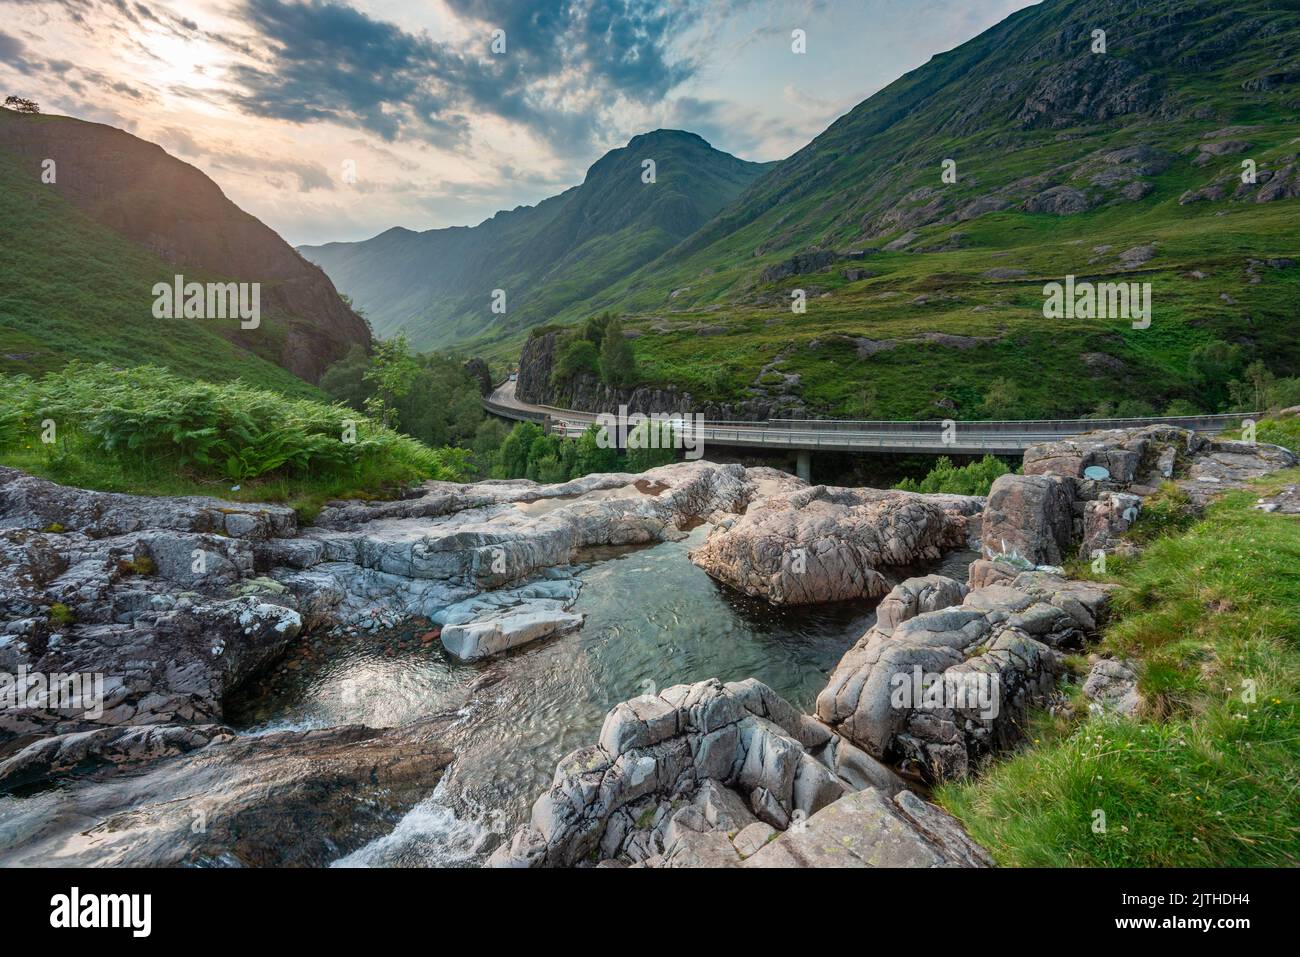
179	606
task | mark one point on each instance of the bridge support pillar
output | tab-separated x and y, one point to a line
803	465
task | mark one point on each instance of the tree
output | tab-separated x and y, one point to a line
617	363
1211	367
577	356
589	457
512	459
1002	400
488	439
550	470
1134	409
20	105
1251	394
1284	393
1182	407
973	479
544	453
345	380
442	405
659	434
391	374
593	330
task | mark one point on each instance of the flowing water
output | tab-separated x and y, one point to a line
653	620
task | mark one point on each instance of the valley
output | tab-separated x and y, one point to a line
972	542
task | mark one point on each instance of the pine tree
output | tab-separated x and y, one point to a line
617	364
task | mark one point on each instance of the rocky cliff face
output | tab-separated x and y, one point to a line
586	393
180	215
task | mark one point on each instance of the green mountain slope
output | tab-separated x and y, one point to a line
82	255
921	294
436	286
73	289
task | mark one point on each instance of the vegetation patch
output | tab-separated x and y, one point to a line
973	479
1207	776
148	431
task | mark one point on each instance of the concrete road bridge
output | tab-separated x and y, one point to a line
804	436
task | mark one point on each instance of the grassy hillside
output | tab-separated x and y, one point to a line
923	294
1206	776
73	289
436	286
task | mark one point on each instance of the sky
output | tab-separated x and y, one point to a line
337	119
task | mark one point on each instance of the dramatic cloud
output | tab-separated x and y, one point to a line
336	119
330	62
11	52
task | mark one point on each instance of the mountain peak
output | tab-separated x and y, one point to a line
435	285
668	136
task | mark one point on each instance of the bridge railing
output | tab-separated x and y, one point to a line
515	412
1039	429
1043	426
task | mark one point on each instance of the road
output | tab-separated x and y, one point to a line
839	435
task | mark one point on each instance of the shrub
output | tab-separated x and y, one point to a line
617	363
61	614
528	453
152	419
1283	432
640	456
1003	400
973	479
590	457
577	356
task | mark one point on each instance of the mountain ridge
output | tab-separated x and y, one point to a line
436	285
1121	163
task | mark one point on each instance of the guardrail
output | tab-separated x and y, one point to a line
514	412
1003	436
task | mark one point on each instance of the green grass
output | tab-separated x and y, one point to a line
147	431
1041	356
1283	432
1208	775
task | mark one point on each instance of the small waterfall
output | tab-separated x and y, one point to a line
430	835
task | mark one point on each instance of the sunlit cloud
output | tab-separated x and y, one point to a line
276	98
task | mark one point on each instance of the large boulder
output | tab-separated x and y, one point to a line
1106	519
869	829
1122	452
943	688
823	544
1085	492
1112	686
1030	517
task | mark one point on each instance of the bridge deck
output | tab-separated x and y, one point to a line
839	435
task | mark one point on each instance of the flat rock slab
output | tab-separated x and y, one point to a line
489	636
287	799
868	829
